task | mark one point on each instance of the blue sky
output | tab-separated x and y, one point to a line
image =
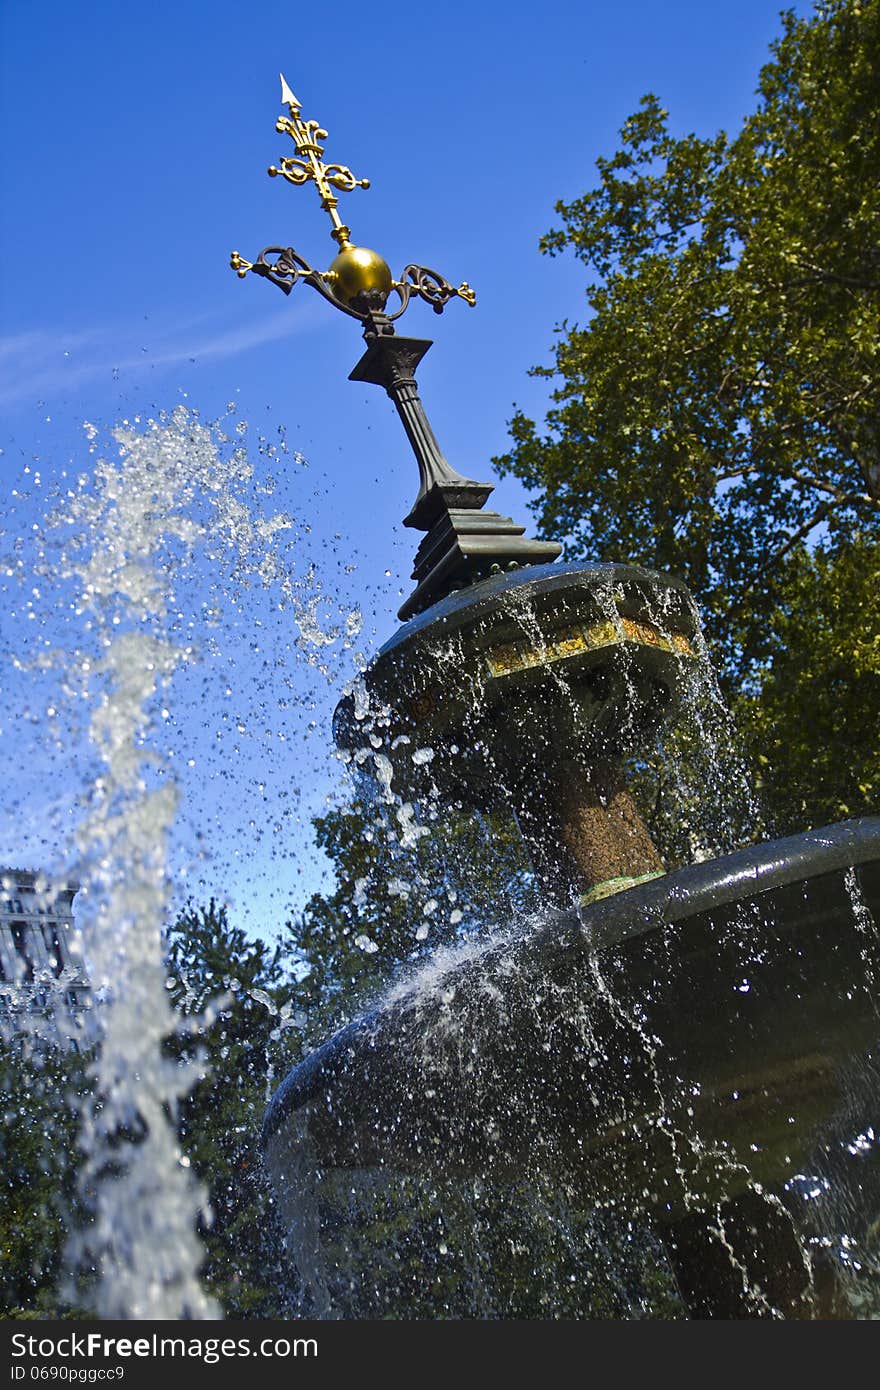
136	141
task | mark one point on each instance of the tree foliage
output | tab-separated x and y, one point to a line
716	416
813	727
393	904
242	1001
40	1089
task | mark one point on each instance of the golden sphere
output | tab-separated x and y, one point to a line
356	270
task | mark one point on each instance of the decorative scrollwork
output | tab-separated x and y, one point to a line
433	287
306	134
342	178
309	137
294	170
297	171
285	268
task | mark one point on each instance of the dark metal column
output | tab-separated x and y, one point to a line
390	361
582	829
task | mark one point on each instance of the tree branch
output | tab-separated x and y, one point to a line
830	277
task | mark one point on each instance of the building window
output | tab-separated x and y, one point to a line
52	938
21	944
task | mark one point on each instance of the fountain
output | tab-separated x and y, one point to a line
677	1045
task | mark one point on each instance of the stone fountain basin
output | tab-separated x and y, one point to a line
693	1034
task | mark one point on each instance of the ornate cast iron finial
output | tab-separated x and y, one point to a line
459	548
359	281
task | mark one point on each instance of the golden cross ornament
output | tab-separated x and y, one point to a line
307	135
359	281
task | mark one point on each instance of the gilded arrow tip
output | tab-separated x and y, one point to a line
287	97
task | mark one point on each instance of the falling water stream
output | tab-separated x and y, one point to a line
172	504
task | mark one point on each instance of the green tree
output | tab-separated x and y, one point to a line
393	905
241	1002
813	725
716	415
41	1087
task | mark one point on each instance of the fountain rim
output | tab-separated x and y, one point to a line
649	907
481	598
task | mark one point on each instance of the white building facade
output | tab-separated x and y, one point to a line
44	988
